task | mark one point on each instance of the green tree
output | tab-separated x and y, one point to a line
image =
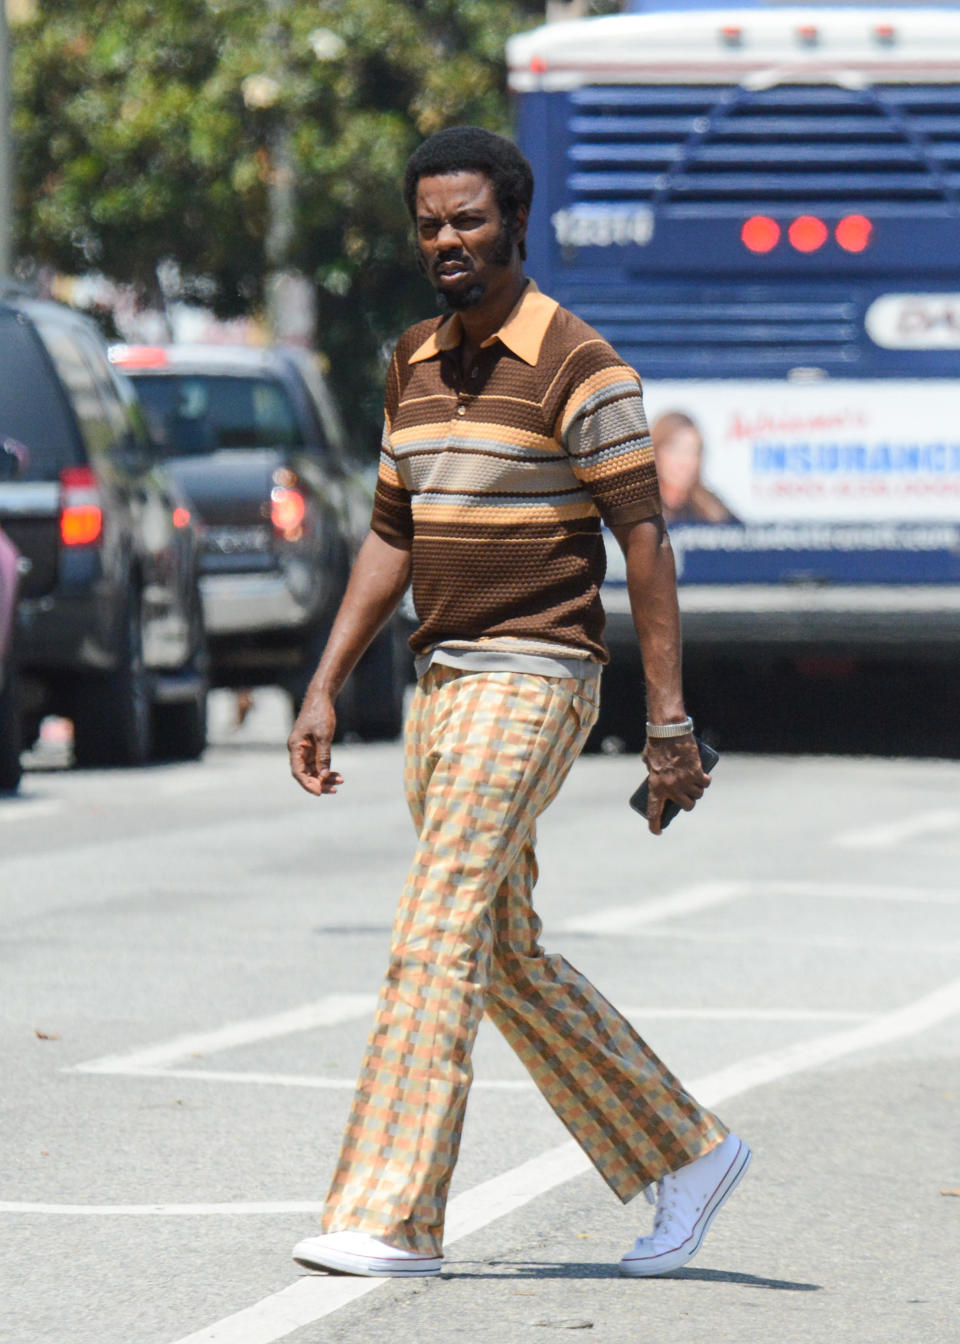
147	133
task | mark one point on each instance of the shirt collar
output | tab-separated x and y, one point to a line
522	331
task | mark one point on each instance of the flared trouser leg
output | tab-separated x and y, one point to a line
486	753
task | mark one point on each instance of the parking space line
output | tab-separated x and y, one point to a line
626	918
640	1015
310	1080
887	834
691	900
163	1210
313	1297
329	1011
857	891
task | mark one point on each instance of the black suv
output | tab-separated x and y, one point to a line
252	436
110	622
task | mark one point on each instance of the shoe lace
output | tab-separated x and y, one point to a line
664	1201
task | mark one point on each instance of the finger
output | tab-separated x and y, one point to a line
303	767
301	757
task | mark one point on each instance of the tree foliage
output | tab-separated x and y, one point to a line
147	133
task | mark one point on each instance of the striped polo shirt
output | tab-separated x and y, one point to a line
500	480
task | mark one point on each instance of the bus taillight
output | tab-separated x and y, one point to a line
760	233
807	233
853	233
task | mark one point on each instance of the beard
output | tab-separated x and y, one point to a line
457	300
460	299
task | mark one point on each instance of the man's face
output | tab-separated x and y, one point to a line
467	249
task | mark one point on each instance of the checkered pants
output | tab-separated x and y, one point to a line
486	753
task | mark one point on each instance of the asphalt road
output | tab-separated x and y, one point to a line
189	961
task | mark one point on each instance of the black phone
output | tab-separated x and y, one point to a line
640	799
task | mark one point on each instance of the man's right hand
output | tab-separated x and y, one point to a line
309	746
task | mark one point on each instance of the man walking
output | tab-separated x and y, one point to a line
511	430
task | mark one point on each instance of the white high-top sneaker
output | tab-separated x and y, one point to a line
687	1202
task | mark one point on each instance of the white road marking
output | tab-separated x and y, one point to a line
164	1210
640	1015
311	1080
326	1012
26	809
310	1299
894	1026
636	918
852	891
887	834
627	918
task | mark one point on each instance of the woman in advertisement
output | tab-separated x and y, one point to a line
678	448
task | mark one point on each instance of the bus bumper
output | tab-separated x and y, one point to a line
897	621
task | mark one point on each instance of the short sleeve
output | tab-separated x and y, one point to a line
392	513
604	431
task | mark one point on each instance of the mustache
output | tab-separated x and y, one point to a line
456	255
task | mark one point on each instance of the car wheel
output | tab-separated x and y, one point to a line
180	727
379	683
111	719
11	736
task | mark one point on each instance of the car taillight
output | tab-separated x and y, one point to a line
81	514
139	356
287	510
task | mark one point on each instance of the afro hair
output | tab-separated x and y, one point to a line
466	149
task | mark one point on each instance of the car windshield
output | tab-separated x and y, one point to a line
191	414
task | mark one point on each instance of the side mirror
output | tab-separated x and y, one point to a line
14	459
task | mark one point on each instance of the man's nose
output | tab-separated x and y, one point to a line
447	236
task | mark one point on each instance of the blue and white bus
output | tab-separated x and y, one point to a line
760	208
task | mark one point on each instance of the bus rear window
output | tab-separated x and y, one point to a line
194	414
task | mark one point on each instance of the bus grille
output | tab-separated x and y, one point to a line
803	145
722	332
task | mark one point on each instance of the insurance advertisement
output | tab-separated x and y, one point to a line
832	481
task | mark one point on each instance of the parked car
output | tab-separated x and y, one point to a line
110	623
9	682
254	439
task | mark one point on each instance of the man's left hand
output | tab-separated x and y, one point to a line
675	773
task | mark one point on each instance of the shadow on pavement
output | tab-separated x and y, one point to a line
509	1269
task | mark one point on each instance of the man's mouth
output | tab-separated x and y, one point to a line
448	270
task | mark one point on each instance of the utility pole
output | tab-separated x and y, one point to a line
6	150
291	304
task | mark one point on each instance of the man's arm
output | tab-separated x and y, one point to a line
378	580
673	763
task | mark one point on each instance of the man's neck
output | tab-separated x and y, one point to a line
481	322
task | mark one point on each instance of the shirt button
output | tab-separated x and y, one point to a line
461	410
